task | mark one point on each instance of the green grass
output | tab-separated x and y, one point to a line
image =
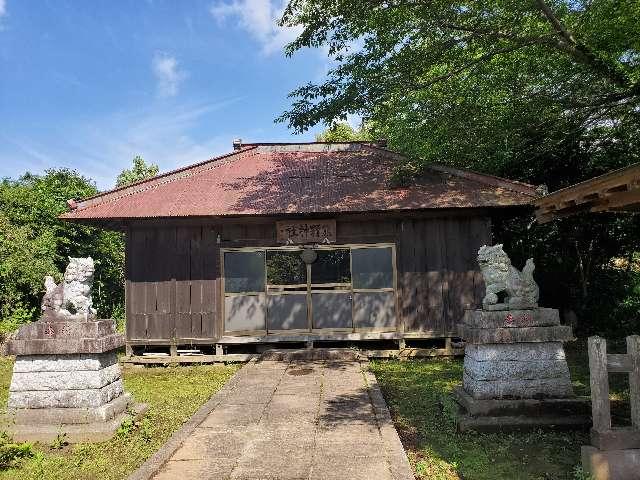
419	396
173	395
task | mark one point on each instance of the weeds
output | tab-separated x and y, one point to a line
59	442
12	453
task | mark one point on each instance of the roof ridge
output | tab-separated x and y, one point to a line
487	179
161	179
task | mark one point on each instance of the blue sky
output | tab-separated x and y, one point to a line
90	84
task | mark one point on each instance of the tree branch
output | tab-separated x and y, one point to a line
580	52
555	22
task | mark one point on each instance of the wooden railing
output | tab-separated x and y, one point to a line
603	435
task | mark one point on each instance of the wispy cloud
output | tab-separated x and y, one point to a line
168	74
260	19
3	8
101	149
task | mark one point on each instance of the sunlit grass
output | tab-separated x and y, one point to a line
173	395
419	396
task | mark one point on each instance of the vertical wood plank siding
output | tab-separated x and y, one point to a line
173	272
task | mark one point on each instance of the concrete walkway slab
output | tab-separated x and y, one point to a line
286	420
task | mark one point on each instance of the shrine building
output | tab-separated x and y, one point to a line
294	243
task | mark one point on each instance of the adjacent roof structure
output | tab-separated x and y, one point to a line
615	191
301	178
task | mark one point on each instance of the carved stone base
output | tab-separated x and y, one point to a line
492	415
514	326
65	337
40	430
66	379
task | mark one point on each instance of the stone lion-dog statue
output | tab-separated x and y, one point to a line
71	299
519	289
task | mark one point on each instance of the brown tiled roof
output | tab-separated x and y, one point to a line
274	179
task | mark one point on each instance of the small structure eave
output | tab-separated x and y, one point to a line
617	191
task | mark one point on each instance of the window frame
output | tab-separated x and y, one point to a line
310	290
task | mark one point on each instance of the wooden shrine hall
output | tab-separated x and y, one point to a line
280	243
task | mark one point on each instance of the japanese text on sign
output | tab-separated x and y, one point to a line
306	231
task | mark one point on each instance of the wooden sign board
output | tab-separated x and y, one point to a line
306	231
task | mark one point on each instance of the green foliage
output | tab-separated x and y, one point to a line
473	83
12	453
35	243
537	91
575	271
59	442
126	427
139	171
343	132
285	268
579	474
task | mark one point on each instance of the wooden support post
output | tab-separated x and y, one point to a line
128	350
633	350
309	343
599	379
402	344
447	346
173	350
219	349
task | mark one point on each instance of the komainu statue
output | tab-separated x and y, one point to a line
71	300
519	289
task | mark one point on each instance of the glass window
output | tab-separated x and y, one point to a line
331	266
374	310
285	268
287	311
372	268
243	272
331	310
244	312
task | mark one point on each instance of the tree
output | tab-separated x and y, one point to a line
35	243
544	91
473	83
343	132
139	171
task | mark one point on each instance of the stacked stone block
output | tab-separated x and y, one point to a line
66	379
516	354
82	383
515	371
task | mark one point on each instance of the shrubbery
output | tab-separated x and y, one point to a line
34	243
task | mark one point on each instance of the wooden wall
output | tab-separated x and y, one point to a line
173	286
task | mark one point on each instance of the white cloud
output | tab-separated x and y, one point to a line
102	148
3	8
259	18
168	75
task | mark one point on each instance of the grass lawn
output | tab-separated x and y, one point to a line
173	395
418	393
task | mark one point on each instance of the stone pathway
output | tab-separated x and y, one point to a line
293	420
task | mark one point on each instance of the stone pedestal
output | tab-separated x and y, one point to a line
66	379
611	464
515	372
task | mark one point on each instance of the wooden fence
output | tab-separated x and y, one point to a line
603	435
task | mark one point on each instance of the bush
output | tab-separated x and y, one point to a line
35	243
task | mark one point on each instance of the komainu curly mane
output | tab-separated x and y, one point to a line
500	277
